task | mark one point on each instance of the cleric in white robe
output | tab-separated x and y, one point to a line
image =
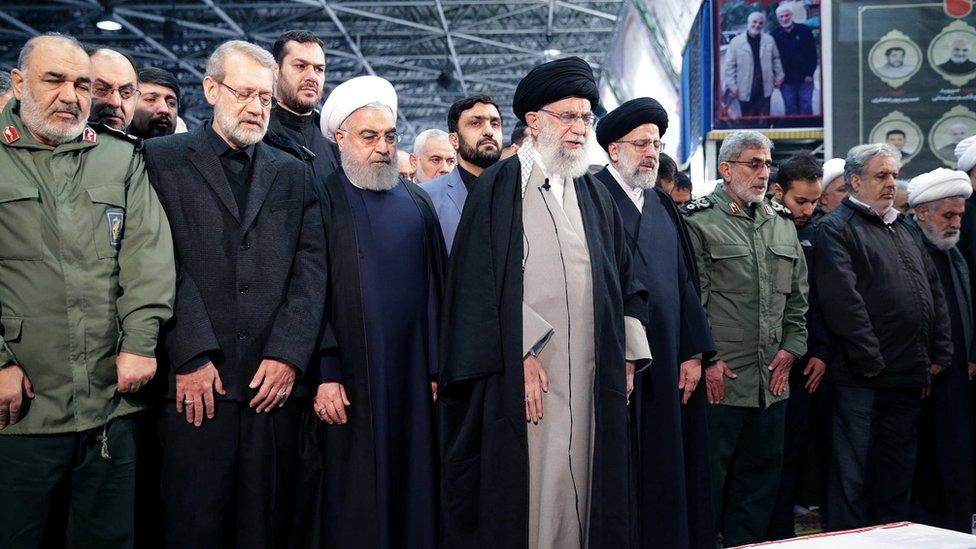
543	329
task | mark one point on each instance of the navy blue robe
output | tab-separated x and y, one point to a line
371	482
671	441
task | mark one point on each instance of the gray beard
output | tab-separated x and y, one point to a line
37	121
569	164
633	176
938	239
366	176
743	194
241	137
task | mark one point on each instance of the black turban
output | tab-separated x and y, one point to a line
636	112
552	81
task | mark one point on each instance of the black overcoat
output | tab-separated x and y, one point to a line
250	284
481	401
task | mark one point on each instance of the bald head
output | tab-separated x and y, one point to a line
114	89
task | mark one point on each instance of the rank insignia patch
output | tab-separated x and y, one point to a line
10	134
89	136
116	221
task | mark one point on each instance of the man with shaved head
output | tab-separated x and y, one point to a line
80	223
114	90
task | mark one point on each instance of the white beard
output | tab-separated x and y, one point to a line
37	120
568	163
939	239
377	178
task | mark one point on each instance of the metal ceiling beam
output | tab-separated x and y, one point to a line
29	30
359	54
586	10
159	47
226	18
139	14
450	48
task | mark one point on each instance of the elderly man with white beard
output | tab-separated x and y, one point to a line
250	294
942	494
543	329
754	289
674	497
368	456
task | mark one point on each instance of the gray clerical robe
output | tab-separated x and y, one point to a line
558	325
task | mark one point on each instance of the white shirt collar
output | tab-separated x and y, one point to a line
889	215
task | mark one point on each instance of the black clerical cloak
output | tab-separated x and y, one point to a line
671	439
481	401
337	497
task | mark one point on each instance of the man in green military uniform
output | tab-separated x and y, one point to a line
754	289
86	280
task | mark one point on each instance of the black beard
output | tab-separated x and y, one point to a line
154	128
291	101
482	159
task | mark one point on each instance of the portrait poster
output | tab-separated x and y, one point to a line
903	73
783	39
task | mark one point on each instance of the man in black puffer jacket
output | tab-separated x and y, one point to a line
883	305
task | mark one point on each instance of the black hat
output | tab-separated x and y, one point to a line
636	112
552	81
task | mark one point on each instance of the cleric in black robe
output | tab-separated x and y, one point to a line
484	438
368	459
674	494
942	492
294	124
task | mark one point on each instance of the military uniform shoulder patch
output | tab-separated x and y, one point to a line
778	208
10	135
697	205
89	136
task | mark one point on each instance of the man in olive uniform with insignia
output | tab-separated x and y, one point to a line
754	289
86	280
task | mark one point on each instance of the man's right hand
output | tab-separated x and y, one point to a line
330	403
195	393
14	386
715	381
536	383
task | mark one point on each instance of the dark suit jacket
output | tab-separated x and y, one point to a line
250	284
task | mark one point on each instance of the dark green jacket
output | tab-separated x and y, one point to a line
86	270
754	289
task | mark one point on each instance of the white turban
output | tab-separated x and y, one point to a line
354	94
832	169
966	153
938	184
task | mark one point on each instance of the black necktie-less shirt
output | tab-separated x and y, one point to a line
237	165
467	178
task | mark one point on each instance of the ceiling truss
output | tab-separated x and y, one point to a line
434	52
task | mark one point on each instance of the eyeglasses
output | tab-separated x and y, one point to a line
755	164
643	144
371	138
102	91
263	97
570	118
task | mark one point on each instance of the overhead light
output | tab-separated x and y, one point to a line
107	23
552	52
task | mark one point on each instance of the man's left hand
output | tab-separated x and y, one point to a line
936	369
780	366
688	376
433	390
275	379
971	370
631	368
133	371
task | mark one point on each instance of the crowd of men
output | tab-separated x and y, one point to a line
278	329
